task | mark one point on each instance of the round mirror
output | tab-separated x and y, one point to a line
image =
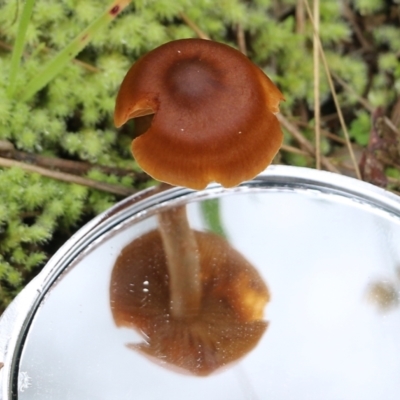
312	307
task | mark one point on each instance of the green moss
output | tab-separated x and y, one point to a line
369	6
392	173
360	128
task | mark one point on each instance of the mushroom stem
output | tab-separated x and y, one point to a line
183	262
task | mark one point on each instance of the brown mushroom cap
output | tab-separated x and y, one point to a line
230	322
214	114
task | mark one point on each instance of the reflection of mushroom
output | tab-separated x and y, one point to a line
228	324
213	114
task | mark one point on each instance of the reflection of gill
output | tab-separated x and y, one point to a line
227	323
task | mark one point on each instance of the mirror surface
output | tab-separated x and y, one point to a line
331	265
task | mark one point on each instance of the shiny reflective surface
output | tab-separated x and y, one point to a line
331	264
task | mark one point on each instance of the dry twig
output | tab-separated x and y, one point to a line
61	176
350	16
241	39
194	27
317	109
335	98
292	129
5	145
324	132
294	150
68	166
364	102
300	17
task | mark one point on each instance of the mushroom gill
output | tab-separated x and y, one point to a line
229	323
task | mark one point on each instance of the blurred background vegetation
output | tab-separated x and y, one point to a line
61	159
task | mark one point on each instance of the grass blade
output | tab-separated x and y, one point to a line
71	50
19	45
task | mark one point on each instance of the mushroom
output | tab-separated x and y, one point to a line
229	319
213	114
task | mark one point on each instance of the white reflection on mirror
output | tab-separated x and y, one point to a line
331	266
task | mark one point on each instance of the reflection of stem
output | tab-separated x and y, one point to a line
183	262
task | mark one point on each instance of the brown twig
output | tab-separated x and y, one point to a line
5	145
5	46
292	129
317	109
61	176
390	180
85	65
364	102
349	15
67	166
387	161
300	17
332	136
334	95
294	150
241	39
193	26
324	132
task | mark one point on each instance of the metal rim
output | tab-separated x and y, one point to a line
15	320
